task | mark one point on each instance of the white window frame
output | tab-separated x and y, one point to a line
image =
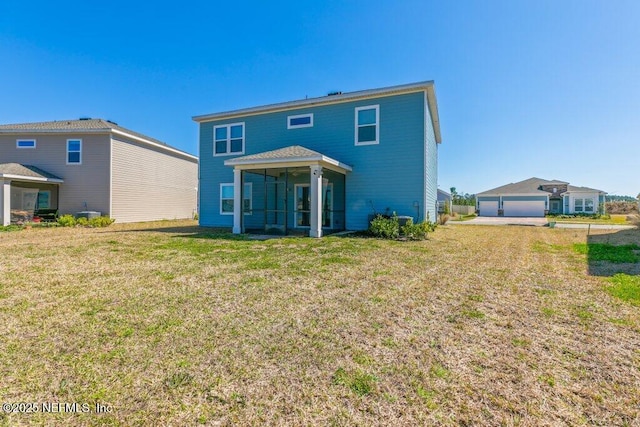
575	205
593	205
228	152
248	188
299	116
357	126
18	141
79	162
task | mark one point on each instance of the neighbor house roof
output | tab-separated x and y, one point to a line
443	195
531	186
574	188
528	186
86	126
26	172
427	86
288	155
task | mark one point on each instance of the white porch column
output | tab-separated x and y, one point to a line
237	201
316	201
5	201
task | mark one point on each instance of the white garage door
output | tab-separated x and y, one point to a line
523	208
488	208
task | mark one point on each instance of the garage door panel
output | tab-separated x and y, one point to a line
488	208
532	208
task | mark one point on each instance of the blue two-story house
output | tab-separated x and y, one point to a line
321	165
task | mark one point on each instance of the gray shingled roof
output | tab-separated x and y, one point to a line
531	186
292	152
82	125
575	188
528	186
27	171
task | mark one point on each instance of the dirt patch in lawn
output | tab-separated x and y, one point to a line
170	324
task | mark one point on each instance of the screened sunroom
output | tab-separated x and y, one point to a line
292	190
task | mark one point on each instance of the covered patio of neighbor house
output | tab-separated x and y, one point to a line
286	191
23	190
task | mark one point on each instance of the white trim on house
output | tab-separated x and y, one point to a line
375	107
28	147
300	116
80	152
29	178
426	86
228	126
244	197
325	161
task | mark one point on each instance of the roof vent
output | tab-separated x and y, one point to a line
338	92
85	118
112	122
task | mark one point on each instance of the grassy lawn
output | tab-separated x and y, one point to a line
613	220
169	324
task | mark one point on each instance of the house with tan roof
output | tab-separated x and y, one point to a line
536	197
93	165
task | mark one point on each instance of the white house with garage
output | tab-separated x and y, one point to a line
536	197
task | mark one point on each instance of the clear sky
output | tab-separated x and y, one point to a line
525	88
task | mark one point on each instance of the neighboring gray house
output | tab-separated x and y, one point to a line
536	197
444	199
93	165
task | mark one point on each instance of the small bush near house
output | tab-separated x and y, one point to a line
443	218
387	228
67	221
101	221
417	231
97	222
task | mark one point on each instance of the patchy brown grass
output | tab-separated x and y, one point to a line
170	324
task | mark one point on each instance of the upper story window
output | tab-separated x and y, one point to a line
228	139
26	143
74	151
300	121
368	125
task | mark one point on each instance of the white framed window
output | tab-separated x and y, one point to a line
74	151
26	143
228	139
300	121
588	205
367	130
578	205
226	199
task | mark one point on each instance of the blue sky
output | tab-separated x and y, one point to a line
525	88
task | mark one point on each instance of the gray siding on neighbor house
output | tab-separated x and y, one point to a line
86	186
151	184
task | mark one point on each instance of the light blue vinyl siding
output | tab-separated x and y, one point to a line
389	175
488	198
430	208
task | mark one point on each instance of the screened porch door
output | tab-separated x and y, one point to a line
302	206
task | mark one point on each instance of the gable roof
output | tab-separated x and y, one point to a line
574	188
427	86
531	187
528	186
291	154
26	172
87	126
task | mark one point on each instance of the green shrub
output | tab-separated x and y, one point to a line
82	221
67	221
101	221
387	228
416	231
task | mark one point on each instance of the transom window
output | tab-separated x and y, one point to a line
368	125
26	143
226	199
74	151
228	139
300	121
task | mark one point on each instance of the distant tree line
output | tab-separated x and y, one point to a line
464	199
616	198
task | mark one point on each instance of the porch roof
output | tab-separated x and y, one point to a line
292	156
19	172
